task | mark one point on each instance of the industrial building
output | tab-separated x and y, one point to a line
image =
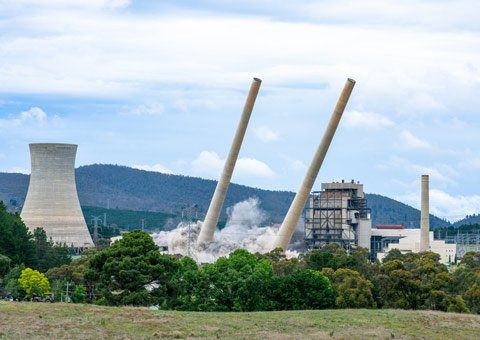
464	242
388	237
52	201
338	214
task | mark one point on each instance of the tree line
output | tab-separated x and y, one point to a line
133	271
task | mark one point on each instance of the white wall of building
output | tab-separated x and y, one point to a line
410	243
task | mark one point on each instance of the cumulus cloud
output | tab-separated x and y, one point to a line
154	168
366	120
209	163
445	205
251	167
34	115
265	134
410	141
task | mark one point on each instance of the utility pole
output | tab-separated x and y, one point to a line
104	219
142	224
67	295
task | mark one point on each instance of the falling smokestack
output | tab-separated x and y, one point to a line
213	213
291	219
425	216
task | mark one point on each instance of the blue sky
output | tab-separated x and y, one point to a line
160	86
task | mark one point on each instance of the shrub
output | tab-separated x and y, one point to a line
34	283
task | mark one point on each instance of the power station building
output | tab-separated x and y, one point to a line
52	201
388	237
338	214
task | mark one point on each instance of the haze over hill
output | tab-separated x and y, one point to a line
132	189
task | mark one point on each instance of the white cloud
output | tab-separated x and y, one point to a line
115	54
18	170
366	120
144	110
294	164
34	115
410	141
65	4
444	205
298	165
443	174
470	162
154	168
209	163
265	134
250	167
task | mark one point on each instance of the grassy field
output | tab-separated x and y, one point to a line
42	320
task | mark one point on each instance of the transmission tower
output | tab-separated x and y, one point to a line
95	220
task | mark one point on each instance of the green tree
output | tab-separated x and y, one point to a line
354	291
239	282
393	254
34	283
471	259
5	263
48	255
457	305
308	289
437	300
16	241
397	288
79	294
280	263
472	298
11	284
132	271
462	279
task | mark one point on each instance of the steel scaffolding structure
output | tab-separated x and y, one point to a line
329	219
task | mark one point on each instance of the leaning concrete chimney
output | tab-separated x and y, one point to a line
291	219
213	213
52	200
425	216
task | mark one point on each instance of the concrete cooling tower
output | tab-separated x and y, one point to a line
52	200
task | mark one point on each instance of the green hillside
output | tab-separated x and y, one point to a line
388	211
468	220
41	320
129	219
123	188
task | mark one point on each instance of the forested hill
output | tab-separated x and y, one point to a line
126	188
388	211
468	220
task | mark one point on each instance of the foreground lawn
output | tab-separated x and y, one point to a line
44	320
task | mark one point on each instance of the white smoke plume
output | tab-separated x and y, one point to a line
242	231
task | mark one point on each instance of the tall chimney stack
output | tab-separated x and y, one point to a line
213	213
291	219
425	216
